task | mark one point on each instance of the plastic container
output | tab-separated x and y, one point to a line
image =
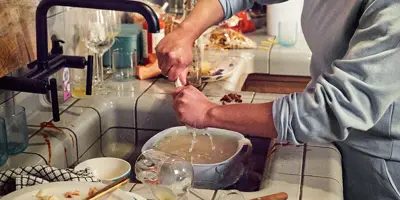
150	40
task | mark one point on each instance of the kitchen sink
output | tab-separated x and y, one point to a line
117	125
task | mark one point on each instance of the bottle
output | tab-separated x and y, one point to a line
62	76
150	40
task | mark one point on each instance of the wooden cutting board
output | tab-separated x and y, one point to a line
17	34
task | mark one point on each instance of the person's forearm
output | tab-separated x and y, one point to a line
249	119
205	14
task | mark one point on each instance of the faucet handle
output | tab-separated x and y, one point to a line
54	100
89	75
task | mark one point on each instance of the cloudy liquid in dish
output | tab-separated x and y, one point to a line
206	149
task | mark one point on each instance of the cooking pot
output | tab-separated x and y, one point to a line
217	175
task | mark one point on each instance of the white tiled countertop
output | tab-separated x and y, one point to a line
108	126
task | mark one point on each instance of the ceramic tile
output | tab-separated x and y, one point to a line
118	142
128	187
23	160
162	86
323	145
144	191
154	111
268	96
315	187
85	123
331	167
94	151
68	141
36	107
116	109
275	183
258	101
286	160
49	148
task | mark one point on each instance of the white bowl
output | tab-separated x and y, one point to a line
206	173
107	168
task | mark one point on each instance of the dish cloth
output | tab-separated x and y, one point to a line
18	178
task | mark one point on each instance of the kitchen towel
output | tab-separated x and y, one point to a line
18	178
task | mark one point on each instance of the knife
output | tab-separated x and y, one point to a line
277	196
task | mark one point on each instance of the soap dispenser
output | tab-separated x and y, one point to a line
62	76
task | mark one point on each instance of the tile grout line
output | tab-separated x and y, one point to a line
136	117
322	177
303	167
31	153
51	120
326	147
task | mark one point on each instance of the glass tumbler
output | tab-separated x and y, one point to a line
287	33
168	176
3	142
124	64
17	128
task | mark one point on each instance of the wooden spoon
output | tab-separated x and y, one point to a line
277	196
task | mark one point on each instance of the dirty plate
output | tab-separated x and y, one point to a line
223	71
60	188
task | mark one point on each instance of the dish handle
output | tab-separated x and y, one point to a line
246	142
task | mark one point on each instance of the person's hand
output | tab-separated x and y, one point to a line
174	54
192	107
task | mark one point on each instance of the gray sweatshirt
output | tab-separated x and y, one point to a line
354	96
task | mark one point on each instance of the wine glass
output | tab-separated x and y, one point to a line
98	35
168	176
115	22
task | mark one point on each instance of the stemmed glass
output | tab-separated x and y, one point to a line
168	176
115	22
98	35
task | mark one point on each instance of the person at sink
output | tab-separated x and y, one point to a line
352	100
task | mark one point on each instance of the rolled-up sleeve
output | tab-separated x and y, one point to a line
360	89
232	7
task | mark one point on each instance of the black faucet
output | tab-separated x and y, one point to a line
36	81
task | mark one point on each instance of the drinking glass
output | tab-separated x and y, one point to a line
287	33
17	128
168	176
115	22
124	64
98	35
3	142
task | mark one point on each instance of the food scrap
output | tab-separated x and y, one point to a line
92	191
42	196
72	194
231	97
229	39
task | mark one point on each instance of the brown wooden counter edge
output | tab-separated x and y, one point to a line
277	196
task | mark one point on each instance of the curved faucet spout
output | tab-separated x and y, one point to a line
120	5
